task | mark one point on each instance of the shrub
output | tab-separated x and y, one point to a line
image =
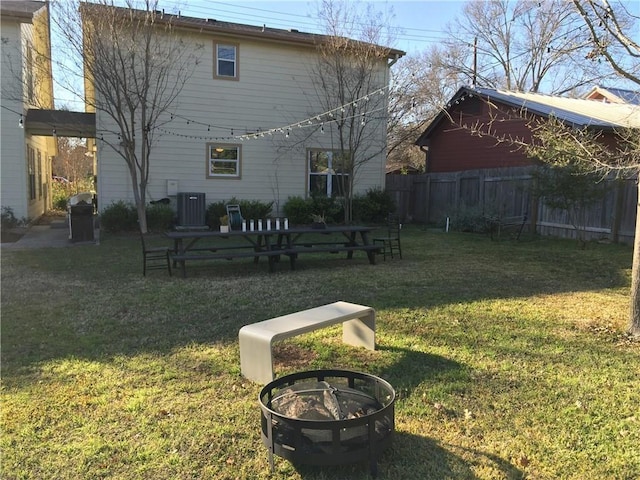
300	210
215	210
469	219
61	192
59	195
297	210
250	209
255	208
119	217
8	218
373	207
160	218
331	208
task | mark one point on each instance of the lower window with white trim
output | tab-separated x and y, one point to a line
328	173
223	160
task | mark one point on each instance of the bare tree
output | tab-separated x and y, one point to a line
421	84
351	83
135	65
565	180
611	31
524	45
73	161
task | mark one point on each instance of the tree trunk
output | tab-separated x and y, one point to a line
634	313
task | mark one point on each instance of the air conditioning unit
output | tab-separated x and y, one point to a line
192	209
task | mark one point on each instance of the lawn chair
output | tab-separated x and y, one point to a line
235	217
154	258
391	243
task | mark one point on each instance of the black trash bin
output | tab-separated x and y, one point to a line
81	219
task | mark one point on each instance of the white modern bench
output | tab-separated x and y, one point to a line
256	340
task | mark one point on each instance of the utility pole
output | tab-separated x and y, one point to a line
475	60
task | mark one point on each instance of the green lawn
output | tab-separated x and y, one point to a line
509	359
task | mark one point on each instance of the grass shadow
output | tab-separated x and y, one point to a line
411	368
419	457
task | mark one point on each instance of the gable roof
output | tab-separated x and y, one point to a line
264	33
576	112
22	10
614	95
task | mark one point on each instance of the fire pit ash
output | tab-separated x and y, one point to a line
327	417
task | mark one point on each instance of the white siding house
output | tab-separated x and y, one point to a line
26	83
228	136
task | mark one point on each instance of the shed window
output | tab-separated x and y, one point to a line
223	161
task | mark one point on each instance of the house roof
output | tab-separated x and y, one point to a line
22	10
614	95
576	112
215	27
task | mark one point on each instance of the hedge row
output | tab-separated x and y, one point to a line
371	207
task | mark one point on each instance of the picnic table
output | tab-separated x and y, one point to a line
272	244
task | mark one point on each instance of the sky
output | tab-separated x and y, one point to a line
420	22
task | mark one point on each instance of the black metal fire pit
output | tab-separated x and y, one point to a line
327	417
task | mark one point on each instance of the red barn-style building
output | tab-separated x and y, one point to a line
464	135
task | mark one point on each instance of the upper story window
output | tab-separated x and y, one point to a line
328	173
223	160
226	60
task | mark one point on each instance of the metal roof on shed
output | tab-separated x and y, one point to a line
576	111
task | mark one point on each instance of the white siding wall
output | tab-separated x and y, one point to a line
13	174
14	171
274	89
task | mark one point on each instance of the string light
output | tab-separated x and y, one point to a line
321	118
21	122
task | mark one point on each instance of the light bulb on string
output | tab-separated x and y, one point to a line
21	122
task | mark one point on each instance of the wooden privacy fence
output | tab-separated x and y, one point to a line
433	197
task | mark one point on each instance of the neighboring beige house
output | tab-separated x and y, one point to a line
613	95
26	84
227	136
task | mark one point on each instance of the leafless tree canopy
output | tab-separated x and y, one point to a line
353	73
611	27
135	65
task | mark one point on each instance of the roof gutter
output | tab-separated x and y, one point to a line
393	61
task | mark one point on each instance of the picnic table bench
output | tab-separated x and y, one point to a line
256	340
191	246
